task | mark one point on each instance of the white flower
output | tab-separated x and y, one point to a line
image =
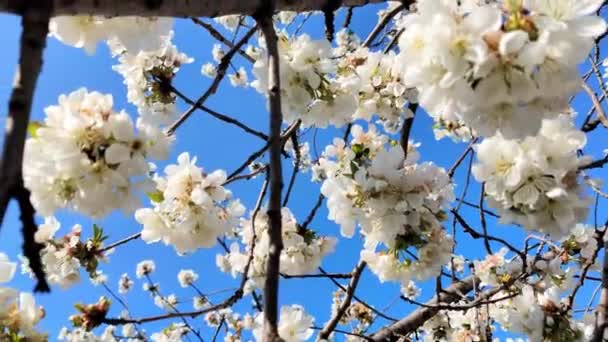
217	52
191	209
309	89
7	268
533	182
147	74
302	251
497	72
186	277
86	157
239	78
209	70
295	325
410	290
124	284
230	22
398	204
123	33
173	333
144	268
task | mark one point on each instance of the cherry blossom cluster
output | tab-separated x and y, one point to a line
148	75
235	323
131	33
321	89
497	66
302	251
19	314
377	79
90	316
81	335
455	130
295	325
457	326
396	201
190	208
63	257
538	314
87	157
542	315
358	316
533	181
309	89
581	245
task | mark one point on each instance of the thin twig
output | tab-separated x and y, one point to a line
217	35
221	72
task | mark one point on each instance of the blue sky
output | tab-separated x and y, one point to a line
217	146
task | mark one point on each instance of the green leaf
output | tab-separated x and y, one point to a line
156	196
32	128
357	148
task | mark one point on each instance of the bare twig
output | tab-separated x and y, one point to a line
218	115
601	115
217	35
221	72
119	242
382	23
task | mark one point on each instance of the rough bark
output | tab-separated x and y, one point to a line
35	22
271	285
413	321
602	307
173	8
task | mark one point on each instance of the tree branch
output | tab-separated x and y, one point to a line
407	128
386	18
171	8
35	22
412	322
602	308
271	285
217	35
350	291
221	72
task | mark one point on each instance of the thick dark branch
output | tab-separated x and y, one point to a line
596	164
383	22
35	24
406	129
171	8
601	318
412	322
31	248
271	285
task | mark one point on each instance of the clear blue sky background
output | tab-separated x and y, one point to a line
217	146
